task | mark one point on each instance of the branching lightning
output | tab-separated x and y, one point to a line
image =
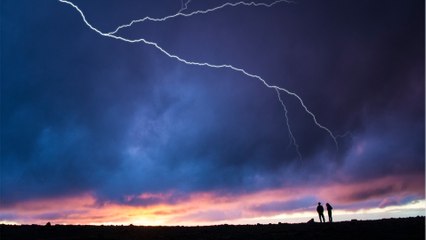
290	133
184	7
344	135
206	64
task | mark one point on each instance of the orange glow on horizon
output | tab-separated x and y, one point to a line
213	208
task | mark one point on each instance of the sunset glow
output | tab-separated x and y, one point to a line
271	206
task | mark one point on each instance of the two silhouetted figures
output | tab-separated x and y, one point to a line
320	210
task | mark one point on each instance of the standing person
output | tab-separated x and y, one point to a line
329	207
320	210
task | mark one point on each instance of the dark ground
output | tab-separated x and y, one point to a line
387	229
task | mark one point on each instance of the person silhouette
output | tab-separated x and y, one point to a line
320	210
329	208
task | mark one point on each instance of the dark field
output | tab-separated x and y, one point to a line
387	229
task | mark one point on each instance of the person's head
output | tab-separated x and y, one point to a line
319	203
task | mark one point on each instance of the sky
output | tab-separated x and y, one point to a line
284	106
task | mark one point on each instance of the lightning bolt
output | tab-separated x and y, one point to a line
180	14
206	64
184	5
290	133
344	135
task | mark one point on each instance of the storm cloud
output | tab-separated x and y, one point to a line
81	113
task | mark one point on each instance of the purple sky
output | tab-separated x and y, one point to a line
88	116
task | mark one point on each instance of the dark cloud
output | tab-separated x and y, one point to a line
372	193
84	113
388	202
63	112
282	206
387	147
395	201
59	215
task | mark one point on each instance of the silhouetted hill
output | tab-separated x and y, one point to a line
387	229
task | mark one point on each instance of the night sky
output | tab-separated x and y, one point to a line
97	130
